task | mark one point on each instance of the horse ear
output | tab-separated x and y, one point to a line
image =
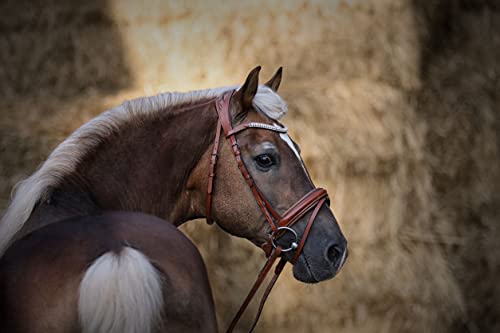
248	90
275	81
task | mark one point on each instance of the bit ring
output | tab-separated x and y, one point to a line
293	244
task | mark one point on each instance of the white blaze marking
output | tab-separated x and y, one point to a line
287	139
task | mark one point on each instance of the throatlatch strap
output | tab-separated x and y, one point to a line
211	173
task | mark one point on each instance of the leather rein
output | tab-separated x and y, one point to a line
280	225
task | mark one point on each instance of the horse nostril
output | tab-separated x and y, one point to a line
334	254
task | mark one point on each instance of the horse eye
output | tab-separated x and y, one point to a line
264	161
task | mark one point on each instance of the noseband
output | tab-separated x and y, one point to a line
280	225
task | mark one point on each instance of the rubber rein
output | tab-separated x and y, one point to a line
280	225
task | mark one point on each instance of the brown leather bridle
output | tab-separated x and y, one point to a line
313	200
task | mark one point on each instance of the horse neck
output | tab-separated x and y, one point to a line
146	168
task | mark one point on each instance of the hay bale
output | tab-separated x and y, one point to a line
459	101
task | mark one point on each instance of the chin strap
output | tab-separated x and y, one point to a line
280	225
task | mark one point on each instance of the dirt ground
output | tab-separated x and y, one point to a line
394	104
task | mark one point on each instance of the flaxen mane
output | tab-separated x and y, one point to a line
66	158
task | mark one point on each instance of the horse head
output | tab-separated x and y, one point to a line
275	182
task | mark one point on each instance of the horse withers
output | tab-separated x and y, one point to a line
90	240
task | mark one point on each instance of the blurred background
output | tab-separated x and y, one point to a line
394	104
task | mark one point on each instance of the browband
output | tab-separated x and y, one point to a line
268	127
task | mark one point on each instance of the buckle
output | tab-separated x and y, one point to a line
293	244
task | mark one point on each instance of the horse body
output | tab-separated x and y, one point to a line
79	255
150	273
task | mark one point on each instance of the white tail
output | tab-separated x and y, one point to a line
120	293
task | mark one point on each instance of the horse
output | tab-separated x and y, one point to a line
90	242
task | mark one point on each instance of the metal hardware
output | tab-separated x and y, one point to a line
293	244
